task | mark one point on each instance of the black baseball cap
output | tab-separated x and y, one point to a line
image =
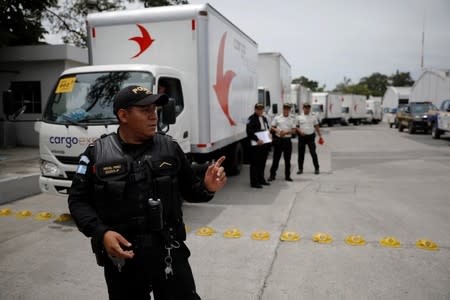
306	104
135	95
259	106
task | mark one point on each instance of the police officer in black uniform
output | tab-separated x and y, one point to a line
126	197
258	150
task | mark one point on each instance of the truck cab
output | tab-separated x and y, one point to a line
80	110
414	117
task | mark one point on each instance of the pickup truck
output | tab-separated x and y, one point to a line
439	121
414	116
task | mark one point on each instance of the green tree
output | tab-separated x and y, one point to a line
311	84
401	79
376	83
340	87
69	19
20	21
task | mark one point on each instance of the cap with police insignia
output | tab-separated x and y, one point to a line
135	95
287	105
259	106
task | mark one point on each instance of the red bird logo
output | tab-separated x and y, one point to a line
223	82
144	41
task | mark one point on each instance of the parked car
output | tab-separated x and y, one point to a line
414	116
439	121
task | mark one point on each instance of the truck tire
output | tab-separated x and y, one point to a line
390	125
400	127
435	132
411	128
234	160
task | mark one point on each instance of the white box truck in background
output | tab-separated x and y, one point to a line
353	109
327	108
274	81
373	110
299	95
207	64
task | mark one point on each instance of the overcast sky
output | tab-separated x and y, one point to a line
326	40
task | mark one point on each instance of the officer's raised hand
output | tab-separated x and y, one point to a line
215	177
114	242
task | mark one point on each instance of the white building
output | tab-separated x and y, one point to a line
433	86
31	72
395	96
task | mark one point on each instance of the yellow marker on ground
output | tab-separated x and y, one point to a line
322	238
24	214
290	236
232	233
355	240
205	231
64	218
5	212
43	216
427	245
260	236
390	241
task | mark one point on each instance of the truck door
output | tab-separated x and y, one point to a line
180	131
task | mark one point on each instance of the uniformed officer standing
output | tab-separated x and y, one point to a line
126	197
307	126
283	126
259	151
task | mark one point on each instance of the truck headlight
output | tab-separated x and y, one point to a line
49	169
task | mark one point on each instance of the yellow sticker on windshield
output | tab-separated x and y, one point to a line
65	85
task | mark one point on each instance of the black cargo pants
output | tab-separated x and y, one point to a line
281	146
144	273
309	140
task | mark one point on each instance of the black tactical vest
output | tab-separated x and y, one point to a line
124	184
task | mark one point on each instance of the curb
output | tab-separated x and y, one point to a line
19	187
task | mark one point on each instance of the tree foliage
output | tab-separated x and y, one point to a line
311	84
21	21
375	84
153	3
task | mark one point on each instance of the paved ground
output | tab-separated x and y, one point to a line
375	182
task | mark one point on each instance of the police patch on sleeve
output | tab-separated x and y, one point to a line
82	169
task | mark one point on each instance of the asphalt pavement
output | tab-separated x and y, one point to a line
374	182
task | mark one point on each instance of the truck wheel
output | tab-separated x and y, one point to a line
435	132
400	127
411	128
235	157
390	125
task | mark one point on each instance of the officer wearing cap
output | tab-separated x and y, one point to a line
307	127
126	197
283	126
258	149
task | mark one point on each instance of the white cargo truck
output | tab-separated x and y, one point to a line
373	110
274	81
353	109
206	64
327	108
299	95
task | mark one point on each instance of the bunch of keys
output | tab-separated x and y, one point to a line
168	259
119	262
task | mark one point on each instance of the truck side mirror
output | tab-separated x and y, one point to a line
8	102
169	112
275	108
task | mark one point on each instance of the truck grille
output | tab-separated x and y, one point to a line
68	160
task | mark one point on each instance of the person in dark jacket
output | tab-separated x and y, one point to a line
258	149
126	196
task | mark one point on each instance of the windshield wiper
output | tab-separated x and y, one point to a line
74	123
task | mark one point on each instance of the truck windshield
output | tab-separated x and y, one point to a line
345	110
317	108
88	97
421	108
